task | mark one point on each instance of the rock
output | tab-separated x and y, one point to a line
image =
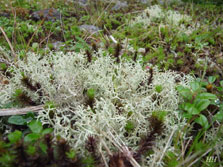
161	2
57	45
81	2
47	14
89	28
120	5
144	1
4	14
142	50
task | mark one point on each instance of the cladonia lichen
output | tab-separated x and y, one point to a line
123	92
156	15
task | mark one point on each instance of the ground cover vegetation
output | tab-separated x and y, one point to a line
111	83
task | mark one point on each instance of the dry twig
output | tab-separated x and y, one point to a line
18	111
10	45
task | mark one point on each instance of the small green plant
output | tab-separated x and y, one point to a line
37	131
196	103
21	120
3	66
91	93
129	126
160	115
158	88
36	146
15	136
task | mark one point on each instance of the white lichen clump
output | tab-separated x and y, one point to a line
155	14
122	94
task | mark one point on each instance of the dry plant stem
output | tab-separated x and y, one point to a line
103	158
219	159
10	45
62	27
27	46
103	11
193	157
125	47
155	159
105	146
20	111
99	18
192	163
46	38
184	148
168	143
124	149
14	25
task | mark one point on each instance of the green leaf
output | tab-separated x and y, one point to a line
172	159
202	120
221	107
17	120
43	147
78	47
35	126
15	136
203	83
211	79
221	83
194	86
184	92
191	109
218	116
202	104
208	96
187	116
220	89
47	131
199	146
30	115
32	137
7	159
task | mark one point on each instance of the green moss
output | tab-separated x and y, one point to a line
220	60
158	88
180	62
160	115
3	66
129	126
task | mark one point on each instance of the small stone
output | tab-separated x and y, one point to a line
57	45
120	5
47	14
144	1
89	28
4	14
81	2
142	50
